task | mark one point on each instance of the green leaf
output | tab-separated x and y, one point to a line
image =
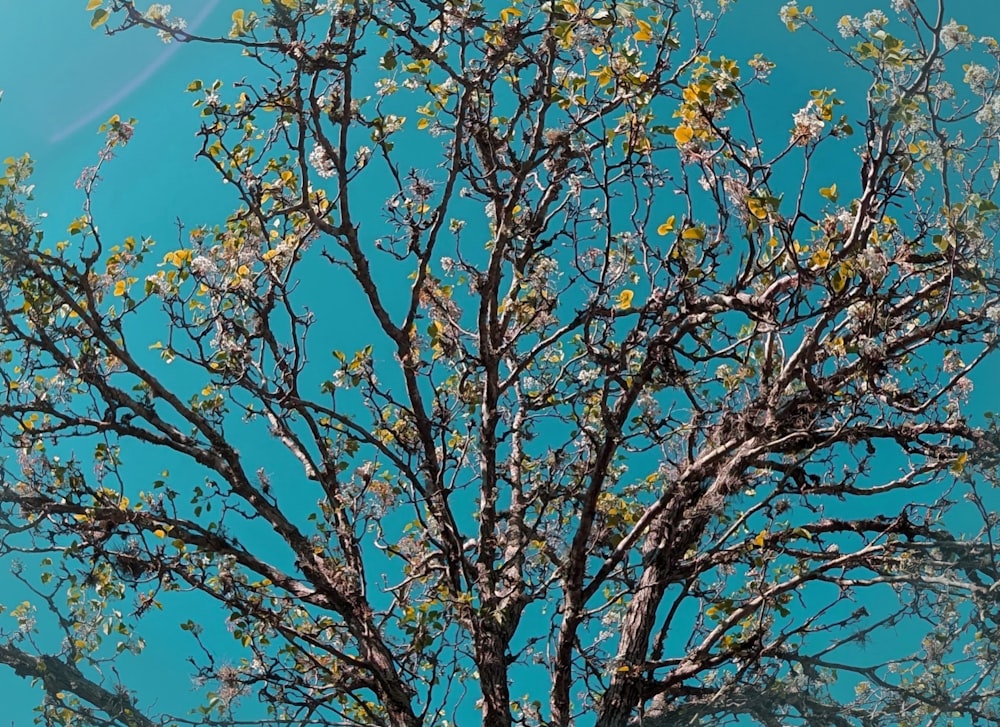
100	17
838	281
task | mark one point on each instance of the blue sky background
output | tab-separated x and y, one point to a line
61	80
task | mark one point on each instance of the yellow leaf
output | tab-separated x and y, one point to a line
423	124
507	13
829	192
667	226
239	23
177	257
625	299
759	540
120	288
693	233
958	466
820	258
757	208
604	76
644	34
94	4
683	134
159	532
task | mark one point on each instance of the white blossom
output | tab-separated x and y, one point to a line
155	283
989	114
789	14
575	185
943	90
808	124
362	155
954	35
386	87
321	162
849	26
977	77
992	46
953	362
202	265
392	123
176	24
158	12
874	19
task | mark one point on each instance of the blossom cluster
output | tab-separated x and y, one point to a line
159	13
320	160
808	124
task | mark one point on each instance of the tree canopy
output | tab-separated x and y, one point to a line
540	374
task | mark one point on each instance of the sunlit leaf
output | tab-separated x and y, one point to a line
820	258
667	226
758	208
683	134
644	34
604	76
239	23
507	13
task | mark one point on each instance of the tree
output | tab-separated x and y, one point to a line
660	415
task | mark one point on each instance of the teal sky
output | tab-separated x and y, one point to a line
62	79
